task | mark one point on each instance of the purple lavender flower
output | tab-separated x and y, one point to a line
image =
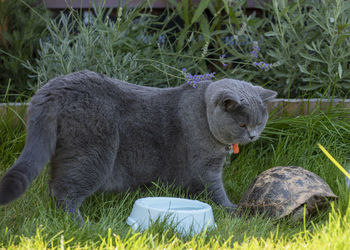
254	54
193	80
230	40
161	39
263	65
255	50
222	57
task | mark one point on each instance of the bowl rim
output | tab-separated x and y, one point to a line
203	207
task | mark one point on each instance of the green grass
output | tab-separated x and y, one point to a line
33	221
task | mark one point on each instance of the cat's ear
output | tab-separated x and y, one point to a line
266	94
229	101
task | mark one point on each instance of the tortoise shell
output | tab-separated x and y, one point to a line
280	191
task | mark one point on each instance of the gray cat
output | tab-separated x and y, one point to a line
102	134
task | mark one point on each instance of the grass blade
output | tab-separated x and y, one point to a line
333	160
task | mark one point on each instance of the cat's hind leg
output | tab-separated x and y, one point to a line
76	176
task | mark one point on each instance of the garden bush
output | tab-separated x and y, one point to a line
306	46
21	29
297	49
137	46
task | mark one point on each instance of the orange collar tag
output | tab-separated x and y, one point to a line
235	148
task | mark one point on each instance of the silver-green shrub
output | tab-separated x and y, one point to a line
306	44
298	48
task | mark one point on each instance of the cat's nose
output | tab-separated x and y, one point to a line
252	134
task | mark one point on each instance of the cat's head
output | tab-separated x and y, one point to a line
236	110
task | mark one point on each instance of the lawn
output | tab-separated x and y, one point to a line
297	48
33	221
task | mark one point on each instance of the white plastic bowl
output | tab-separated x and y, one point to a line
187	216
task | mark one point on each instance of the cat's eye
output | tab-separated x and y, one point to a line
242	125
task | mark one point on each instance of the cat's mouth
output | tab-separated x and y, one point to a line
244	141
240	141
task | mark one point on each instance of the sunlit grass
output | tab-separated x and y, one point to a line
34	222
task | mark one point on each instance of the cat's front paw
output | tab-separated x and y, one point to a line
232	208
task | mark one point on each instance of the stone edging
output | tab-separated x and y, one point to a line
289	107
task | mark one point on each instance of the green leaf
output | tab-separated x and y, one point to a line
303	69
185	9
344	85
342	27
284	11
293	7
270	33
231	13
181	40
199	11
310	87
204	25
311	58
340	39
340	70
212	8
213	25
314	18
309	47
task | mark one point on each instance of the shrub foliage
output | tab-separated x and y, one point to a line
20	32
298	48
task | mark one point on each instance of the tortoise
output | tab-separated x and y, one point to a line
284	190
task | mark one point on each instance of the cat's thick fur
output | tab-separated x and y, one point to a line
102	134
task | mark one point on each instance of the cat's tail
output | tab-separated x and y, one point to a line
38	149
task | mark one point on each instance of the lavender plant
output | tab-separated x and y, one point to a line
20	31
295	50
310	43
124	49
298	48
